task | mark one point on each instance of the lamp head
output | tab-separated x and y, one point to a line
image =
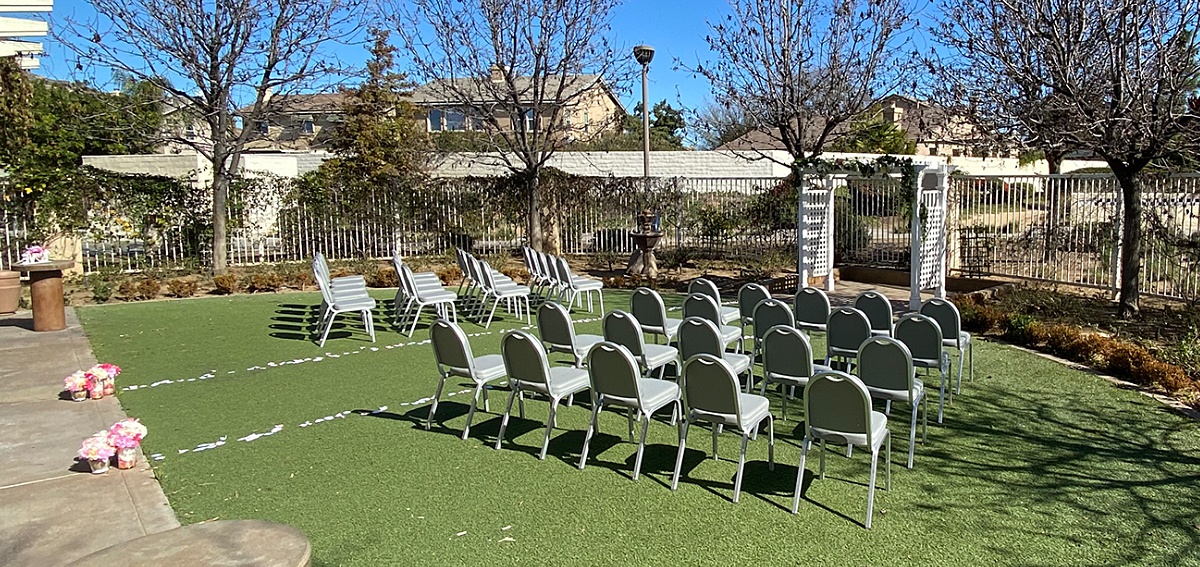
643	53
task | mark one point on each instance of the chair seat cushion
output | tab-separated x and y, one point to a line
729	333
348	280
878	429
739	362
797	380
730	314
918	390
566	380
439	296
489	367
963	338
586	284
511	290
658	393
670	327
754	408
658	355
353	304
584	343
803	326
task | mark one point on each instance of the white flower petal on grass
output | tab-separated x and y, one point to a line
460	534
506	539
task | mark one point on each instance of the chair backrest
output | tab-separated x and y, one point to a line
407	280
623	329
847	328
769	313
527	254
461	257
702	305
711	389
748	297
947	316
877	308
524	358
812	306
554	325
699	336
838	402
451	348
562	269
884	362
921	335
787	351
543	262
647	306
322	283
705	286
614	372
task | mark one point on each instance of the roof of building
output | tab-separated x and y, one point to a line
449	91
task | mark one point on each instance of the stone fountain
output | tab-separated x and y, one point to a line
645	238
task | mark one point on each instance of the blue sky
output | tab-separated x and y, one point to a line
675	28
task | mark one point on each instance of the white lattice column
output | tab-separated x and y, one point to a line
915	241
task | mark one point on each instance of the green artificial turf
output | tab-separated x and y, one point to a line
1036	464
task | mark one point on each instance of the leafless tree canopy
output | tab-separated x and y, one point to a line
802	68
512	67
213	58
1111	76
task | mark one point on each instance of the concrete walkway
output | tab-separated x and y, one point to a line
52	511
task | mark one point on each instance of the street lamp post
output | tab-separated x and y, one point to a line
644	54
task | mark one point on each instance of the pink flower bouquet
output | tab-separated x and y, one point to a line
126	435
35	255
76	382
96	450
96	378
108	376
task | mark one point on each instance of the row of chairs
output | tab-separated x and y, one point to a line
485	282
347	294
837	405
552	275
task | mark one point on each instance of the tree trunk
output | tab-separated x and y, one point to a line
1131	243
535	211
220	198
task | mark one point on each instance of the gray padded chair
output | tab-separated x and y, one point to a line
699	336
335	303
812	309
617	381
711	394
703	306
947	316
748	297
452	352
787	359
878	311
574	285
767	314
440	298
837	408
529	371
923	338
702	285
623	329
885	366
558	333
647	306
847	329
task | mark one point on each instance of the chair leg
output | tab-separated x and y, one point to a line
629	418
549	428
504	420
471	412
912	435
328	326
416	318
683	429
637	463
433	408
737	480
887	479
488	325
770	443
800	473
587	439
822	459
716	430
942	397
871	486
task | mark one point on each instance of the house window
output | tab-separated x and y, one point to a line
456	120
528	119
307	126
435	120
262	126
190	132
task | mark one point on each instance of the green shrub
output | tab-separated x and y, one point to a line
1019	328
102	291
225	284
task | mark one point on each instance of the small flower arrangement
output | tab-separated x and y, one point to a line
96	450
77	382
96	378
126	434
108	375
35	255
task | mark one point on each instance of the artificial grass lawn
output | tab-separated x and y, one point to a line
1036	464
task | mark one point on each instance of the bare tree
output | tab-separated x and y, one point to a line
222	60
801	69
515	71
1116	77
716	124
